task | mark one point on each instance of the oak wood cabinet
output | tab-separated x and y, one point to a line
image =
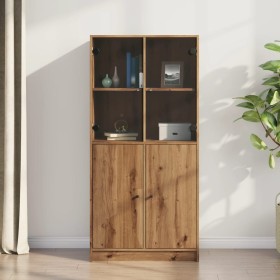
144	193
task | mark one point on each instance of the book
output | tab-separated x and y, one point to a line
121	134
132	72
128	138
140	78
128	69
137	71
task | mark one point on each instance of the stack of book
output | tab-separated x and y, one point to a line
122	136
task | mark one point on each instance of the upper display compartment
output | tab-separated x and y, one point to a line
114	52
171	63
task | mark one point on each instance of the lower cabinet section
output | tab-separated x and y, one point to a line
145	256
171	196
118	196
144	202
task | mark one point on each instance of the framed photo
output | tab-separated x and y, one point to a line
172	74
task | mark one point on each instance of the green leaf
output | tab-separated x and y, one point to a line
247	105
257	142
271	161
277	129
273	81
255	100
269	120
273	97
251	116
278	137
273	65
262	93
272	47
275	109
269	130
277	154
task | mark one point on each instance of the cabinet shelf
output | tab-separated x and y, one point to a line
118	89
147	142
171	89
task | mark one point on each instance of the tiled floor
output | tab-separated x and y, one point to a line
70	264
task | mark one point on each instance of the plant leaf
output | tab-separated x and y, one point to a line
277	154
262	93
278	137
272	97
269	120
269	130
275	109
273	65
277	129
273	47
247	105
257	142
251	116
273	81
255	100
271	161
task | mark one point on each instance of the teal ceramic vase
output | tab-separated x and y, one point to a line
106	82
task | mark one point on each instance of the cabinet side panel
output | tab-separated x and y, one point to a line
171	196
117	196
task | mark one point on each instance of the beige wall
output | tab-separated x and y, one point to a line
237	189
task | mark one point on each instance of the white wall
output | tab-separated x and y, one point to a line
237	189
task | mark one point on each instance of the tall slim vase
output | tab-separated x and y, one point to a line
116	79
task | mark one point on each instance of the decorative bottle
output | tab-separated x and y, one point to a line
116	79
106	82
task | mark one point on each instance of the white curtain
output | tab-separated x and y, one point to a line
13	173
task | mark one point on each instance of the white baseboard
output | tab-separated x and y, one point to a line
238	243
205	243
58	242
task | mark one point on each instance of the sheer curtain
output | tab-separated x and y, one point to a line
13	173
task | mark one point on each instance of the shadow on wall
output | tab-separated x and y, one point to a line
232	194
58	146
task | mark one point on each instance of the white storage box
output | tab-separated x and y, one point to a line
174	131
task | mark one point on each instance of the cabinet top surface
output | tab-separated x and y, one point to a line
144	36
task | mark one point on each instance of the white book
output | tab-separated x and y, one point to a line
122	134
127	138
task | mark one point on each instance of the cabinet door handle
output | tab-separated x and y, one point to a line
134	197
150	196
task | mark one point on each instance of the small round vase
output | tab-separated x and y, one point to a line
116	79
106	82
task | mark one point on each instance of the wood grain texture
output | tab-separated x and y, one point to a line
141	256
171	196
118	196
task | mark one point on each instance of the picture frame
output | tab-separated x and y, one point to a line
172	73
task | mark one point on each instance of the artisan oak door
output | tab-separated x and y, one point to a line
118	196
171	196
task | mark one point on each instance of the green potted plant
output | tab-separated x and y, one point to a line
265	109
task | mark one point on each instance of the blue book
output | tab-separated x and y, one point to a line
137	62
128	69
133	72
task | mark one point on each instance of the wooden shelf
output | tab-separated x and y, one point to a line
147	142
171	89
163	142
118	89
114	142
